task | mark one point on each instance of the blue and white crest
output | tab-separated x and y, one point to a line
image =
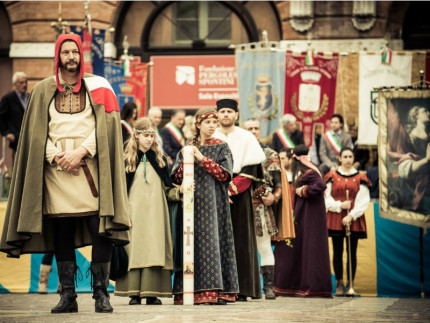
263	94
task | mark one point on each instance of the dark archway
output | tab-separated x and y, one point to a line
145	50
416	26
6	32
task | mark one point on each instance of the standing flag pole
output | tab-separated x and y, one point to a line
60	26
188	263
350	291
87	38
125	57
148	86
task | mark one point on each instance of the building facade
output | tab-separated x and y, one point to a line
205	27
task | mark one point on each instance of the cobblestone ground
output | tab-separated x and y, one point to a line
36	308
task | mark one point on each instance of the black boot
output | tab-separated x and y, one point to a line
268	278
153	301
66	274
100	273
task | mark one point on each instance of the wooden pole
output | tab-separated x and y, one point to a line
350	291
188	266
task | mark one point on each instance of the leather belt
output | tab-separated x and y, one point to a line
89	177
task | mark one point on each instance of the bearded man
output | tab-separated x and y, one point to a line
68	185
247	174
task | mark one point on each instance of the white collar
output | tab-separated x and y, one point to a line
352	171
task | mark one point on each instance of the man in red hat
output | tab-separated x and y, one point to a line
68	186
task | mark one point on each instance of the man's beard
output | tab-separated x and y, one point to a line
70	68
226	122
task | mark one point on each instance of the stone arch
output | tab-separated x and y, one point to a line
136	19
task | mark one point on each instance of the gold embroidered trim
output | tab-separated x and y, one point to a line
251	177
234	188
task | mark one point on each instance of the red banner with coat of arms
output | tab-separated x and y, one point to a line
310	91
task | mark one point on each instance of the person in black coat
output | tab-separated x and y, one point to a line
288	128
361	156
12	107
128	118
173	138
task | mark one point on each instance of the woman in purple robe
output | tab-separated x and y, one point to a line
302	267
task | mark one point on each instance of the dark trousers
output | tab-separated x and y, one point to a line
65	245
338	253
47	259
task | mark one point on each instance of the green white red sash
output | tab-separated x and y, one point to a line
159	138
332	140
127	126
285	139
176	133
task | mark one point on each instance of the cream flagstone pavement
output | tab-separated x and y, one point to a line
36	308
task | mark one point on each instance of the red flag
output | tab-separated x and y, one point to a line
138	81
310	91
87	39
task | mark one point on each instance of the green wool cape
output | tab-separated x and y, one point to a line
25	228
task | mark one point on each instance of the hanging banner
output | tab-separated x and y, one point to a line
114	73
310	91
261	79
403	156
137	83
93	46
86	44
374	73
97	50
192	82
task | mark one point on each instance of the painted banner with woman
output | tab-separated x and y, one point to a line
404	150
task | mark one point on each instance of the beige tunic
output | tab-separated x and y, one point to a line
151	241
66	194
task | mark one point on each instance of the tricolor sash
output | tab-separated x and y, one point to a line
127	126
176	133
332	140
285	139
159	138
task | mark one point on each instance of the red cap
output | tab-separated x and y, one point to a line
61	39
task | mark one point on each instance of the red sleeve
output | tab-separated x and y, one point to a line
214	169
364	180
303	193
239	184
179	176
329	177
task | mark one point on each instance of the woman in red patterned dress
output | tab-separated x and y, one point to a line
346	198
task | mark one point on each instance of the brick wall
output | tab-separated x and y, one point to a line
332	20
31	23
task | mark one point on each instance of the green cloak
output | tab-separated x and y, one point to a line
25	229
